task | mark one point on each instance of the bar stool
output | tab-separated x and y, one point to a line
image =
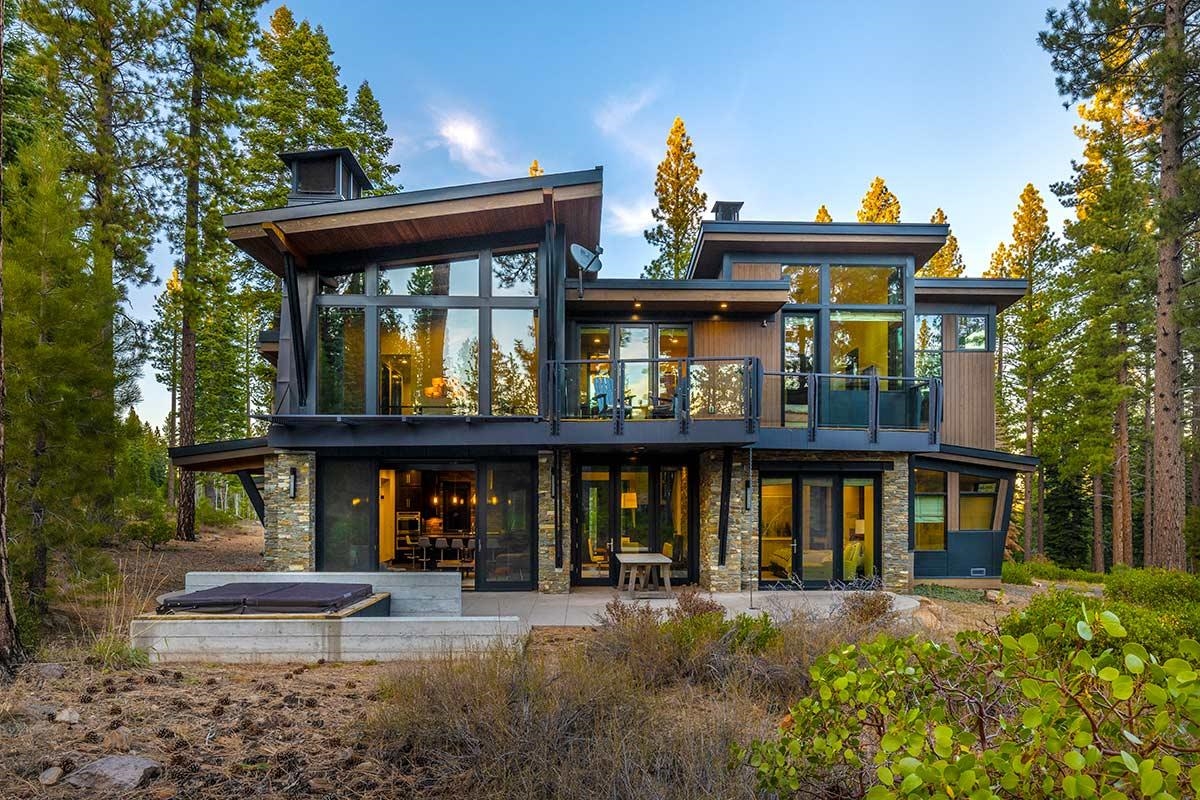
442	546
425	544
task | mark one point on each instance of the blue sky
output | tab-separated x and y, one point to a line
790	105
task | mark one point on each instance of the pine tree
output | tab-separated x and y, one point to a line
680	206
163	356
298	103
1145	48
535	169
823	214
373	146
879	204
55	341
10	640
210	80
946	262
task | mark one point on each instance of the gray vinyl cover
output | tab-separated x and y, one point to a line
268	598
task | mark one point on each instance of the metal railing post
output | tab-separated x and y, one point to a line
618	397
873	410
814	410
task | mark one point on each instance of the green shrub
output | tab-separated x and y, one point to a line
1153	588
1016	573
1044	569
145	520
114	652
994	716
952	594
1158	631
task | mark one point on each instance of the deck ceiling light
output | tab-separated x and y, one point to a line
637	304
724	305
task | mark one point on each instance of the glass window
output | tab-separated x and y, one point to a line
863	285
928	342
508	527
866	343
799	353
633	347
452	277
775	552
858	528
929	509
673	518
428	361
976	502
514	362
595	543
341	361
346	534
514	274
806	282
672	352
351	283
972	332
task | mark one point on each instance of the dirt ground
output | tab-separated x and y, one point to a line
229	730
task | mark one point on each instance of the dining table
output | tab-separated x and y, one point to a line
648	572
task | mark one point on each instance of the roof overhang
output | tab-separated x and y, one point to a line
716	239
703	296
993	459
367	226
1001	292
237	455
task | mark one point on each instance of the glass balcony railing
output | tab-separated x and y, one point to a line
694	390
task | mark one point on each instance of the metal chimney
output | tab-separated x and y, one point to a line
319	176
727	210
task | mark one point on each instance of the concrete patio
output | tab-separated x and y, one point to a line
582	605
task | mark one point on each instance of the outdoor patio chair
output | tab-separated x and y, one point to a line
602	387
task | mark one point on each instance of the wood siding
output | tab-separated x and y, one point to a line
756	272
970	401
740	338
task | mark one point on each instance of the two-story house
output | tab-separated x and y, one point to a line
455	393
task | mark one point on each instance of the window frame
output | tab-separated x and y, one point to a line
484	302
994	495
945	496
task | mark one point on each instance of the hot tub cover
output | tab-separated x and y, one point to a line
268	598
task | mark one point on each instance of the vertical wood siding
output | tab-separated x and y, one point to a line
756	272
738	339
970	413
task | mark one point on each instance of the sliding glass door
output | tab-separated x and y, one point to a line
816	529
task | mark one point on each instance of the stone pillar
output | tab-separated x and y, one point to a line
741	547
897	558
289	535
551	579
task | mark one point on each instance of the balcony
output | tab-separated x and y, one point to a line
734	401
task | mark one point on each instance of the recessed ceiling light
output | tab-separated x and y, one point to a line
724	305
637	304
596	340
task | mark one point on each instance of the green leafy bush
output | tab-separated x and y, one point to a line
1046	570
1157	632
1016	573
996	716
1153	588
144	519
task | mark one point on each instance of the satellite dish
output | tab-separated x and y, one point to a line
586	259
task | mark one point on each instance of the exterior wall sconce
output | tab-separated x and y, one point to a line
292	483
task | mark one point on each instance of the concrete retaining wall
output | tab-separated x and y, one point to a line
275	640
425	594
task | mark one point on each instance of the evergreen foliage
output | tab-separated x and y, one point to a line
879	204
946	262
680	206
823	214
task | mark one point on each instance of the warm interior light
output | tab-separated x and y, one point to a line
724	305
596	340
637	305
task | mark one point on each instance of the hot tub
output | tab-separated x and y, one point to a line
262	598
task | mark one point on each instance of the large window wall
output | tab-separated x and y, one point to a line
455	335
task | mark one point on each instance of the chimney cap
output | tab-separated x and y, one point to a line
344	153
727	210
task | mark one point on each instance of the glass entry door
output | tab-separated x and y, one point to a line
630	508
816	529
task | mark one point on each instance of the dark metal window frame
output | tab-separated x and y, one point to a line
484	302
944	494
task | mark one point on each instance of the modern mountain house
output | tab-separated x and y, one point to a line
454	393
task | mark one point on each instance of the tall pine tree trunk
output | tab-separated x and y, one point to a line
186	515
1168	545
1041	510
172	474
1029	500
103	238
1149	494
1097	522
1196	427
10	643
1122	524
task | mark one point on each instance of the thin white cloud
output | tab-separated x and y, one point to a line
469	143
629	219
617	119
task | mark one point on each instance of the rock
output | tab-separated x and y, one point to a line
996	596
51	776
68	715
38	711
115	773
51	672
118	740
928	614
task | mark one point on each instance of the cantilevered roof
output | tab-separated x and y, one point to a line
996	459
702	296
367	227
920	240
1002	292
230	456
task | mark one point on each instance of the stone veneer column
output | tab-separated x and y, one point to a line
551	579
741	547
289	536
897	558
